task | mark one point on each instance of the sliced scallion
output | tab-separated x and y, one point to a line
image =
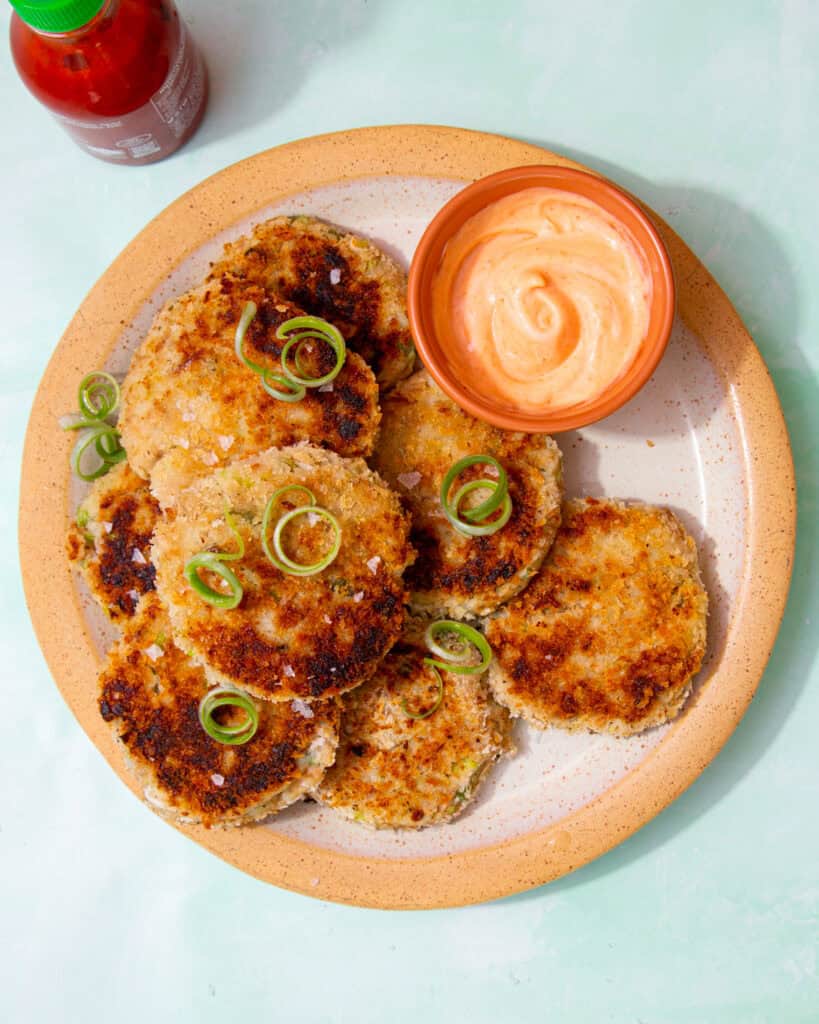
455	657
290	385
213	561
276	553
438	701
472	522
232	735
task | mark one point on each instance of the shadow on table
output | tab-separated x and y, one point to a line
288	40
751	266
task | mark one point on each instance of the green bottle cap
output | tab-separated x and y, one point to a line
57	15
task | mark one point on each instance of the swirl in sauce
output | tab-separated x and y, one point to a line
542	300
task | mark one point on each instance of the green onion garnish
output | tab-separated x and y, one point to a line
307	328
98	398
438	701
98	395
472	521
231	734
214	561
290	385
276	553
454	658
106	442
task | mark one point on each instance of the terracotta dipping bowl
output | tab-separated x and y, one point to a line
474	198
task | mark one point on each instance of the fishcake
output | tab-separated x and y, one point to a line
423	434
149	693
187	391
610	634
109	542
393	770
291	636
336	275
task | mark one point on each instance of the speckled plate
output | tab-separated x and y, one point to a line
705	437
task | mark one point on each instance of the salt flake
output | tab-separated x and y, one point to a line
217	779
138	557
373	564
335	275
302	708
409	480
289	671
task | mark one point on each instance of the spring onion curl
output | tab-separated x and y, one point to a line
291	384
229	734
439	700
472	521
455	658
214	561
276	553
98	398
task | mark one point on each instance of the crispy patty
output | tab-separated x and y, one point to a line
149	692
395	771
610	634
109	542
187	391
423	435
291	636
334	274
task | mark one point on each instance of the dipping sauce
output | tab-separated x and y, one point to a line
542	300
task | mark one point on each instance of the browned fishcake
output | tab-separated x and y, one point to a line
187	392
336	275
109	541
610	634
395	771
423	434
291	636
149	693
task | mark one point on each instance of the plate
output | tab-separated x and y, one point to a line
705	437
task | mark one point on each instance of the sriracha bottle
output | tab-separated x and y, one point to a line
123	77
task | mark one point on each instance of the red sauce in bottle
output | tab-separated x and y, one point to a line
129	85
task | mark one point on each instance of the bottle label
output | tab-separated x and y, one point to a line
155	129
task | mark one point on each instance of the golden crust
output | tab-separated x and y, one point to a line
610	634
291	636
187	391
423	434
109	542
149	692
336	275
394	771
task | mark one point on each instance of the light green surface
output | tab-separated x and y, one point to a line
711	912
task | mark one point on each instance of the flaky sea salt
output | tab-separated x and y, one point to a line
225	441
138	557
358	596
108	527
289	671
409	480
154	651
302	708
335	275
373	564
217	779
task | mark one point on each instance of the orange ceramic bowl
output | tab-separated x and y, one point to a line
474	198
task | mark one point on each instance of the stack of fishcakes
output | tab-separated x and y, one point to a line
335	662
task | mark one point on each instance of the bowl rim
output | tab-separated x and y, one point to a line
441	228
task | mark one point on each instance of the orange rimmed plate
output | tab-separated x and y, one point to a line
705	437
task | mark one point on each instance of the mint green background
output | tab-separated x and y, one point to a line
709	914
